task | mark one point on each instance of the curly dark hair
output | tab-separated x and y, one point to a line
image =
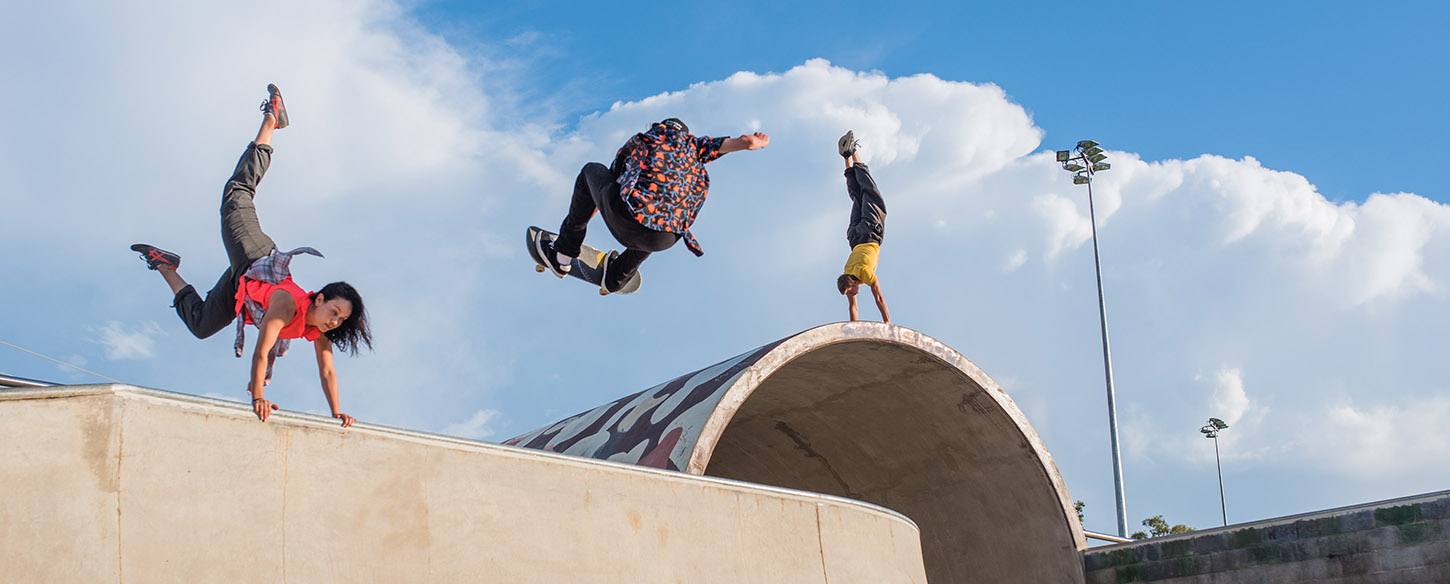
353	333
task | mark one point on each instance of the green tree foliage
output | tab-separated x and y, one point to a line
1158	527
1079	506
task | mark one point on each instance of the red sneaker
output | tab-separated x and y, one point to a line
274	106
156	257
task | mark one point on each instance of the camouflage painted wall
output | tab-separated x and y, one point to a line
657	427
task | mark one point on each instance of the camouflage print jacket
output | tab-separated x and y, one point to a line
662	178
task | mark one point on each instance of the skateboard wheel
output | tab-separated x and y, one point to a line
603	293
539	269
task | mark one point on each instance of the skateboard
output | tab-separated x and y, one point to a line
586	267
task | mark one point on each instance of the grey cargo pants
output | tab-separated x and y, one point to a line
244	241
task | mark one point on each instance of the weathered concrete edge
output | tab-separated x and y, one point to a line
844	332
1273	521
415	436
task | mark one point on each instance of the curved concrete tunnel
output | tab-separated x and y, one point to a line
869	411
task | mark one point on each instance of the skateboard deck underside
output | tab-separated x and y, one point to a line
585	267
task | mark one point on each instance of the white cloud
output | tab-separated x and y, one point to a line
1067	228
1015	260
477	427
1230	401
123	343
1397	440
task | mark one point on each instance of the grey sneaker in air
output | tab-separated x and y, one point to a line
847	144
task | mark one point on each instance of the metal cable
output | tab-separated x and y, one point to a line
59	362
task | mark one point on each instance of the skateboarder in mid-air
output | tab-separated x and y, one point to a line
257	287
866	230
649	197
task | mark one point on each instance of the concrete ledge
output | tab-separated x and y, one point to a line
115	483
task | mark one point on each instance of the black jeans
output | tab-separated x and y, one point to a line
244	241
868	209
596	188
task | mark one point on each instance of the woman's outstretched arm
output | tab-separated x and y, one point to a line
328	375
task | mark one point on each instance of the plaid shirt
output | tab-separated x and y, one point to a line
272	269
662	178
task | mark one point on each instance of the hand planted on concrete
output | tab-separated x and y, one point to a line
263	408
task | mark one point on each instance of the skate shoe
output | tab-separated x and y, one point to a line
847	144
604	265
610	280
156	257
274	106
546	251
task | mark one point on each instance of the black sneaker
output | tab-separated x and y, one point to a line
273	106
545	247
611	280
156	257
604	284
847	144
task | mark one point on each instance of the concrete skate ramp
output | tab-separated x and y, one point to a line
113	483
868	411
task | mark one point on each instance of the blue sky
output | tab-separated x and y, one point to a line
1251	274
1302	85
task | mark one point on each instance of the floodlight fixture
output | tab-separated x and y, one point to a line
1080	179
1073	167
1101	166
1092	151
1211	429
1099	157
1064	155
1085	144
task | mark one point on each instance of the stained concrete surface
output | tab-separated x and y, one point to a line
119	484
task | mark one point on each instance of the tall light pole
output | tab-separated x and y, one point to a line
1085	161
1211	430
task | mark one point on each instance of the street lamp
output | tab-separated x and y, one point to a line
1211	430
1085	161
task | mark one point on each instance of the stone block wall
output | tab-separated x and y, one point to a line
1401	541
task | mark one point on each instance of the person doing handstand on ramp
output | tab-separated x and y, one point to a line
866	230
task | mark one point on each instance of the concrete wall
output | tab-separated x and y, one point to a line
113	484
1401	541
864	410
